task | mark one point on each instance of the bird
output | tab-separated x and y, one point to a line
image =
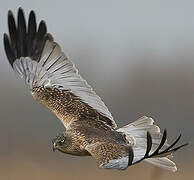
89	127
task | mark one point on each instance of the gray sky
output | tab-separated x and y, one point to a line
138	56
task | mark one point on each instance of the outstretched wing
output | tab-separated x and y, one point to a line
53	79
116	156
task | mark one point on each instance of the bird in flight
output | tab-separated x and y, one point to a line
90	129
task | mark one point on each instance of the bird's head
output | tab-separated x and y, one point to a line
59	142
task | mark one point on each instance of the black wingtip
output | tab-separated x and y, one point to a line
20	10
168	150
8	49
179	147
32	12
32	22
158	152
10	13
24	39
32	16
5	37
164	137
42	29
149	144
131	157
22	33
20	14
186	144
41	37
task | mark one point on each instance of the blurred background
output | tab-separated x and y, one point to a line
137	55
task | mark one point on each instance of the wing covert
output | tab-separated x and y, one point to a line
111	156
39	60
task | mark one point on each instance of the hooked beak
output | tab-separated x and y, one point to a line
54	147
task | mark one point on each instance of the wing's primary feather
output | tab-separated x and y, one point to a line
39	60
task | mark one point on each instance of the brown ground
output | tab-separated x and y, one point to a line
40	166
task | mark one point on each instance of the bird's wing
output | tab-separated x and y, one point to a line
116	156
52	77
111	156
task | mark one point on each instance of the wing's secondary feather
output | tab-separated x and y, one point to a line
39	60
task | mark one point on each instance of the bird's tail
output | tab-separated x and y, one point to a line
149	143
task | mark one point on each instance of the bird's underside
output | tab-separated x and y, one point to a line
54	82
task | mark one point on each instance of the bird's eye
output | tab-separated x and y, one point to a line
61	142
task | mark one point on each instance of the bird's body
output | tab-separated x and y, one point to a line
83	126
90	129
81	134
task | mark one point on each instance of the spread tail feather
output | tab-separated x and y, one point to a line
149	143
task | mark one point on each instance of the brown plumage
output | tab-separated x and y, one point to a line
66	105
85	124
90	129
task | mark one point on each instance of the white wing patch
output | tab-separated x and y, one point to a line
54	70
120	164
